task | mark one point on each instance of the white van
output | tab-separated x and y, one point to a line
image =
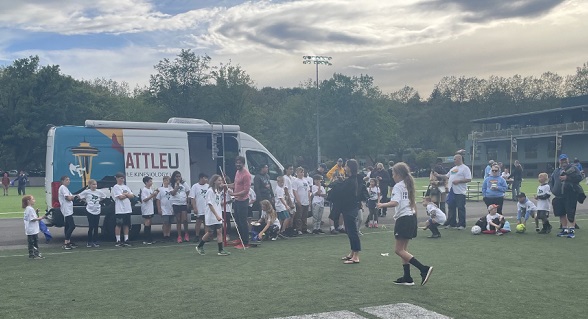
100	149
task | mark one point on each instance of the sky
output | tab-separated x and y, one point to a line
399	43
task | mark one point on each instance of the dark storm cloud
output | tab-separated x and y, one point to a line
482	10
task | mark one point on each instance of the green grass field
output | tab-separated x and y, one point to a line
485	276
10	206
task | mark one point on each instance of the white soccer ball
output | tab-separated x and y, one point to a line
476	230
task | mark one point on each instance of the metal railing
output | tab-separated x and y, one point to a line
532	130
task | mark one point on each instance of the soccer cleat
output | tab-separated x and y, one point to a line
223	253
571	234
299	233
404	281
274	238
434	236
342	231
179	239
426	275
549	228
96	244
200	250
89	245
127	243
334	232
537	229
119	244
282	236
38	257
186	237
73	245
241	246
498	233
320	231
460	228
562	233
67	247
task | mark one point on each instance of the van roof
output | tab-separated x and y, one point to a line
217	128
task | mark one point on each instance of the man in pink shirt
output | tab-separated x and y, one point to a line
241	188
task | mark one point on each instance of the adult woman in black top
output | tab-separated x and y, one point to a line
348	196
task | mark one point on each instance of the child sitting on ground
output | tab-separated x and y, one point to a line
542	197
493	223
525	207
436	217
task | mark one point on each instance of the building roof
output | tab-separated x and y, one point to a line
496	119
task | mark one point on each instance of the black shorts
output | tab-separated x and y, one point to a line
200	217
405	227
147	216
214	227
123	219
180	208
565	206
542	214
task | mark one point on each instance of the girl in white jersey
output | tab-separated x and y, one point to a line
405	228
92	196
179	200
164	207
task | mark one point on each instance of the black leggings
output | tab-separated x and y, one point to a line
69	227
93	221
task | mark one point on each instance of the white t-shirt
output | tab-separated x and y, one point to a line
279	195
400	195
460	172
66	205
147	207
31	228
543	204
164	201
527	206
180	198
288	185
92	199
302	188
490	218
318	199
212	198
435	212
198	192
374	192
121	206
265	217
252	197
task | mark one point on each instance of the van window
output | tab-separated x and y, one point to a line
255	159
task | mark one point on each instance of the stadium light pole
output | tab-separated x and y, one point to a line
317	60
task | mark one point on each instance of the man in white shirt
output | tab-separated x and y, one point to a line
459	177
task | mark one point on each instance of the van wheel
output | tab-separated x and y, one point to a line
134	231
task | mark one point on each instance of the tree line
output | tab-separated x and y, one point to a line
356	118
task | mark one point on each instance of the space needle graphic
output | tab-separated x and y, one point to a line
84	153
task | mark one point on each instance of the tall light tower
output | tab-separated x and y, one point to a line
317	60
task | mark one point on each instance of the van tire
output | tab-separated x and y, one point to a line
57	219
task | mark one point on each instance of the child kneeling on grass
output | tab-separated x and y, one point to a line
268	222
213	219
525	207
436	217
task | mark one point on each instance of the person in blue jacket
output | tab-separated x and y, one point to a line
493	188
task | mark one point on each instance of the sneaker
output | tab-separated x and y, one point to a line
537	229
282	236
200	250
320	231
375	225
73	245
299	233
274	238
223	253
89	245
460	228
342	231
179	239
404	281
562	233
571	234
241	246
38	257
96	244
549	228
148	242
434	236
307	232
315	232
186	237
425	275
498	233
127	243
67	247
119	244
334	232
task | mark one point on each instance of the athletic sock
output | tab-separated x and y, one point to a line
406	268
117	238
220	247
126	237
332	227
413	261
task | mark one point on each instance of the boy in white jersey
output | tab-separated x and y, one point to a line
198	198
213	218
164	207
147	207
92	197
31	225
542	197
436	217
318	203
122	208
525	207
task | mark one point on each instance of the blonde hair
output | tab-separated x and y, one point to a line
267	207
25	200
402	170
543	176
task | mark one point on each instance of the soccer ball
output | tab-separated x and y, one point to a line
521	228
476	230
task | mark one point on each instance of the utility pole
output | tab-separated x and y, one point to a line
317	60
